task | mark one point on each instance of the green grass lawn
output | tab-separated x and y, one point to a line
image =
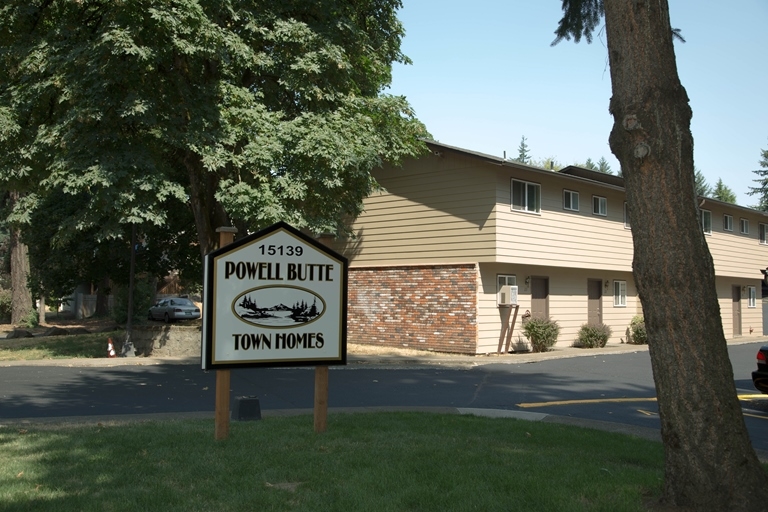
364	462
57	347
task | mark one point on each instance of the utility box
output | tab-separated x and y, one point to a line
507	296
246	408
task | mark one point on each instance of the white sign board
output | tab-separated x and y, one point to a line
274	298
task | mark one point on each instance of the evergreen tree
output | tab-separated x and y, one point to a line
761	189
603	166
703	189
523	155
722	192
710	464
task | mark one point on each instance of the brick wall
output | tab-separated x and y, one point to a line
427	307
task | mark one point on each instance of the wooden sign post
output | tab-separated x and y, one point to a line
321	398
223	377
275	298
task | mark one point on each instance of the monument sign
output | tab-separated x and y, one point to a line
274	298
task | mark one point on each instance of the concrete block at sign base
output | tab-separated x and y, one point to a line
246	408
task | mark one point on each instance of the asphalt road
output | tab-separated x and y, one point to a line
603	388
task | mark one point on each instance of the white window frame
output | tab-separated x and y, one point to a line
744	226
569	204
627	223
762	230
505	280
620	294
531	193
599	206
727	222
706	222
751	296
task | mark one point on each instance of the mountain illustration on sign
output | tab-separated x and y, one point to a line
299	312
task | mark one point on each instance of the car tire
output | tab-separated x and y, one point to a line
167	319
149	316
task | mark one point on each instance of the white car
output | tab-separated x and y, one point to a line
175	308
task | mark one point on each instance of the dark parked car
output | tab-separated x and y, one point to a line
174	309
760	376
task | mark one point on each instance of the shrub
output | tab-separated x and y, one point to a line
637	334
30	320
542	333
593	336
5	305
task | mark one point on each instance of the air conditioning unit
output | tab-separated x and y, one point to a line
507	296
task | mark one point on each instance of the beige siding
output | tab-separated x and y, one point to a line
456	208
436	210
567	302
735	254
751	317
560	237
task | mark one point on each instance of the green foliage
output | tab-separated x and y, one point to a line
593	336
722	192
523	155
548	163
703	189
5	305
761	190
637	333
30	320
542	333
248	112
603	166
143	293
580	18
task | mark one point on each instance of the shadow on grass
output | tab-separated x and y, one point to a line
382	461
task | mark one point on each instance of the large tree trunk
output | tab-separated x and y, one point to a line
21	296
709	460
207	211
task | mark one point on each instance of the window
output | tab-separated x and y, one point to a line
706	221
501	282
751	296
570	200
727	222
744	226
626	216
526	196
763	230
504	280
620	293
599	205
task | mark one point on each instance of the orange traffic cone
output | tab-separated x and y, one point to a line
110	348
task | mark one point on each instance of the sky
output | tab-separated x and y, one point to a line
484	75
